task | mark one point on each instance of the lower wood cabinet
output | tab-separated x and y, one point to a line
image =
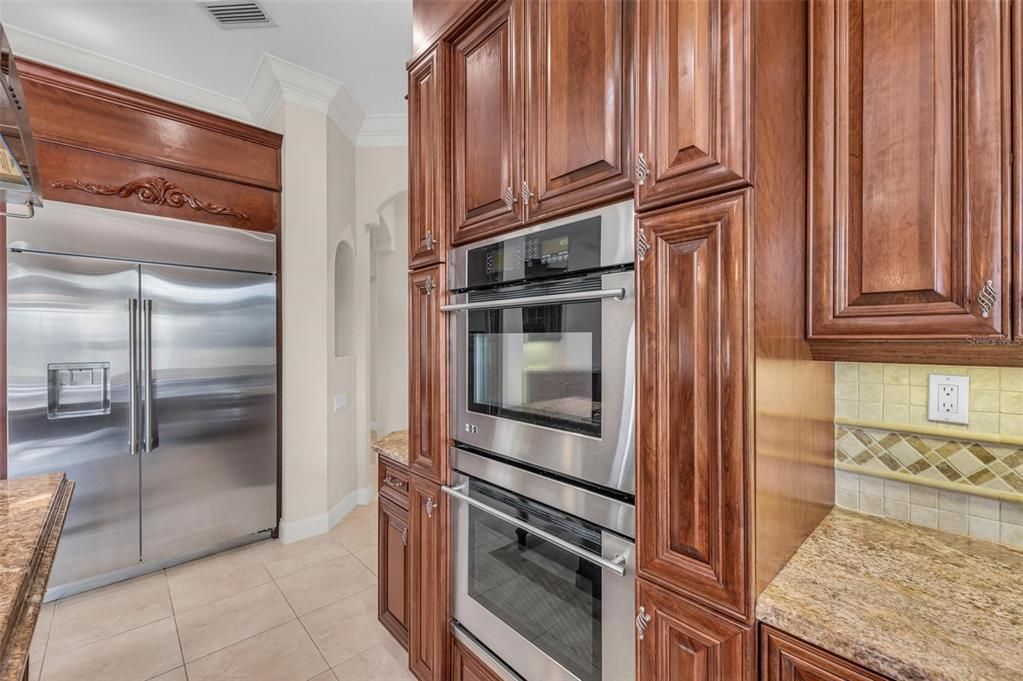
392	566
428	579
678	640
467	667
786	658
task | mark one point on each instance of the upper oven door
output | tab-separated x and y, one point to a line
545	373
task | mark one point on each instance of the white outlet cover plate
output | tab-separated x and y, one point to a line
962	384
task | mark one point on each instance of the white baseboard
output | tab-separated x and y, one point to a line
297	530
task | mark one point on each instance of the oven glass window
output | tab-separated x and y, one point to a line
538	364
546	594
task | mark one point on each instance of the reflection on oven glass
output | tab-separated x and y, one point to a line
547	595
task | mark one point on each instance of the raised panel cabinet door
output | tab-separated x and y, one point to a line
392	568
678	640
1018	170
429	213
427	374
910	148
428	626
692	491
692	90
487	123
786	658
467	667
578	104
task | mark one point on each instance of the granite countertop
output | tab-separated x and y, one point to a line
913	603
32	512
394	446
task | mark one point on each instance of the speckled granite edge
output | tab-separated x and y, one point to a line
15	657
393	446
905	601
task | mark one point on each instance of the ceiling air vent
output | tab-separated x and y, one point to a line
238	14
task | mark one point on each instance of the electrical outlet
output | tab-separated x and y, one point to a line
948	399
340	401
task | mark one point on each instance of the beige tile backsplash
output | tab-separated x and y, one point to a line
893	462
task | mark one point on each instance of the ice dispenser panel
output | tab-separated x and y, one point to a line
78	389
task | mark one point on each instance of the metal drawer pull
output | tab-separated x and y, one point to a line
404	536
429	240
987	299
394	482
576	296
31	212
642	621
616	566
526	194
430	505
509	198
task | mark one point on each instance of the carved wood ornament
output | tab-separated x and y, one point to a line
155	190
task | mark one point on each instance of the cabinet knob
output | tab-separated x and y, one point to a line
642	621
642	169
430	505
642	245
404	536
429	285
429	241
986	299
509	198
526	194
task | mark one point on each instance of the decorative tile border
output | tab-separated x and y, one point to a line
985	469
956	512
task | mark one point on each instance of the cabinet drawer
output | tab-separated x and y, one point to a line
393	482
785	658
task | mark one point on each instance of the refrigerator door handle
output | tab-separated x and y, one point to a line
133	376
149	442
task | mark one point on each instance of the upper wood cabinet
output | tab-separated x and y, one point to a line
428	577
693	85
541	112
429	210
578	103
681	641
910	145
427	374
692	488
487	122
786	658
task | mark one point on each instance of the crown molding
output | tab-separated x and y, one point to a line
383	130
94	65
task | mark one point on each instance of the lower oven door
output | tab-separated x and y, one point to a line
550	594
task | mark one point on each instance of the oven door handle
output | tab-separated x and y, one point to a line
617	565
573	297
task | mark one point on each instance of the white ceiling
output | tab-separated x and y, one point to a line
363	44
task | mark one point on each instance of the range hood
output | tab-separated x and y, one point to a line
19	172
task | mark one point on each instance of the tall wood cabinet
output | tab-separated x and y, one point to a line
541	114
910	192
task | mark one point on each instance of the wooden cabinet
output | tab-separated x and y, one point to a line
680	641
692	489
429	212
467	667
428	578
578	104
541	112
487	122
1017	133
427	374
692	91
392	567
786	658
909	169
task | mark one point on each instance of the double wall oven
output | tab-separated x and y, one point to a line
543	419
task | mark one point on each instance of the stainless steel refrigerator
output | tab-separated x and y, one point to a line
142	362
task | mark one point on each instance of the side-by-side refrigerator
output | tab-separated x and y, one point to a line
142	362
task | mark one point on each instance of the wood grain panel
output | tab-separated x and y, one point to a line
693	489
910	149
686	642
81	112
1017	117
392	570
579	112
786	658
67	172
467	667
428	574
692	123
429	210
487	123
427	374
431	18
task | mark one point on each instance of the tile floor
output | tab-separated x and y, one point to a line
267	612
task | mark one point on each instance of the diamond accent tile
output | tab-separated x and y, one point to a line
966	463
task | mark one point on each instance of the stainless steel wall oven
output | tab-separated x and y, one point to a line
543	329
